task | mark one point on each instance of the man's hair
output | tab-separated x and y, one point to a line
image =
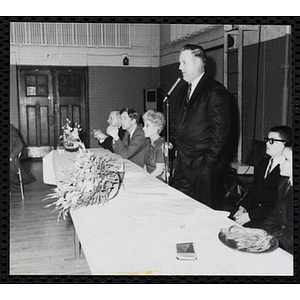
132	113
285	132
156	118
197	51
115	112
288	145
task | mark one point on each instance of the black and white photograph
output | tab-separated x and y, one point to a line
158	149
129	139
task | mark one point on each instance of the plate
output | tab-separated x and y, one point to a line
231	243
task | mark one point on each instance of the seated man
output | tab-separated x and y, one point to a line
280	221
260	200
105	141
133	144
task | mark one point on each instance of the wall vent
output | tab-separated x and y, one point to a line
70	34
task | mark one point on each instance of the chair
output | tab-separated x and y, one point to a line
241	175
20	176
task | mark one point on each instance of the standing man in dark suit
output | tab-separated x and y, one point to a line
261	199
133	145
200	131
104	140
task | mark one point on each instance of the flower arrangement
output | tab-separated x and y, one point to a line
70	137
93	180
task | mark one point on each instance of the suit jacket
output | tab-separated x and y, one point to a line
201	128
136	149
15	142
261	199
280	221
16	146
107	143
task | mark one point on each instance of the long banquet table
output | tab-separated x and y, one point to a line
136	232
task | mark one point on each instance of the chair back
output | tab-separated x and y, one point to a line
257	153
20	176
19	155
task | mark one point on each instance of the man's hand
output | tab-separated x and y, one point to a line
98	134
113	132
240	211
242	218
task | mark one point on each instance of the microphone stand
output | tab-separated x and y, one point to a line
167	113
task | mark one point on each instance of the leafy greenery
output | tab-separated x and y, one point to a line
93	180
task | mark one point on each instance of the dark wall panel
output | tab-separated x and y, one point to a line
113	88
267	111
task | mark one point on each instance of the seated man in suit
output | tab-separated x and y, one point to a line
260	200
104	140
134	143
280	221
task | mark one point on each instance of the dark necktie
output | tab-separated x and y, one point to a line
189	93
270	167
128	139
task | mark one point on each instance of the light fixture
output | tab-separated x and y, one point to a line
230	41
125	61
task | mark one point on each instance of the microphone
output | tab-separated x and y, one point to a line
172	88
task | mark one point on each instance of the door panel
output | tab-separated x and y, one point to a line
47	97
71	102
36	107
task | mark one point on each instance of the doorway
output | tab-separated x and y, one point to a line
47	97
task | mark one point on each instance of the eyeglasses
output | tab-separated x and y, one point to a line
271	140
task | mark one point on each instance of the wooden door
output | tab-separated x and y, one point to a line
47	96
36	104
71	100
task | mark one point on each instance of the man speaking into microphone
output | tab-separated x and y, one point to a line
200	130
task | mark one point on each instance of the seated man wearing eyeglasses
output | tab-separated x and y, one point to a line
280	221
260	200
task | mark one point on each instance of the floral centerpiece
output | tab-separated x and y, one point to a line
70	137
93	180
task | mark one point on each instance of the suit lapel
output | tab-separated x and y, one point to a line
184	107
197	91
271	174
262	170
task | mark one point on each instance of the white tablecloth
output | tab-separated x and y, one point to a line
136	232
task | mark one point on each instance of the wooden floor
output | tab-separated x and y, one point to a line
39	245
